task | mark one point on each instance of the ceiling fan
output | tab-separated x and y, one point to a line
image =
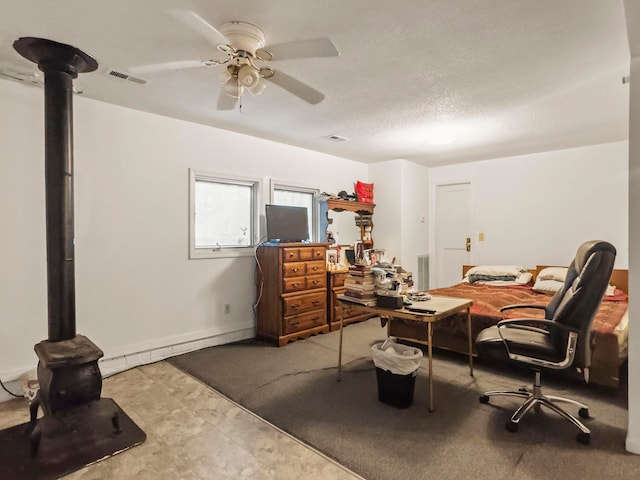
241	49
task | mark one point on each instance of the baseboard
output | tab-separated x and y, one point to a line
116	364
632	445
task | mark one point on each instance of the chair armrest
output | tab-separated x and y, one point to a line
543	326
536	324
511	307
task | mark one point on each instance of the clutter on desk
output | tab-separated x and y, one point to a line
359	285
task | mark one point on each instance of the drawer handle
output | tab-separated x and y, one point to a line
293	324
315	302
295	284
294	269
295	306
315	282
315	267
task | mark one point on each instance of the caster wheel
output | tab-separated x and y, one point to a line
523	390
484	399
584	438
584	413
511	426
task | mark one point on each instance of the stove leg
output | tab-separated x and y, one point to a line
33	410
115	421
34	440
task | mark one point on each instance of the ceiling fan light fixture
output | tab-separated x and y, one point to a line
232	88
258	88
248	76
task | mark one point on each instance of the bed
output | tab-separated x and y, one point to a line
610	326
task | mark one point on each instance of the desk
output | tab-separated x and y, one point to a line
442	306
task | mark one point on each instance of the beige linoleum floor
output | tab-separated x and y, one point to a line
193	432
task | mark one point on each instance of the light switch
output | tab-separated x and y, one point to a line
481	237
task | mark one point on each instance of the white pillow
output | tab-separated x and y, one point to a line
496	270
523	278
553	273
549	286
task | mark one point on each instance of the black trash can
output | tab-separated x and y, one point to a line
396	369
395	390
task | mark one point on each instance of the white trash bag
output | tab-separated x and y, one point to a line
395	357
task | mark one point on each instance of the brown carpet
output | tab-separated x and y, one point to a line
295	387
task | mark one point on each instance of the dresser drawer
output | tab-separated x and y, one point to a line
290	254
314	268
311	253
294	284
304	321
316	281
338	279
294	269
303	303
347	312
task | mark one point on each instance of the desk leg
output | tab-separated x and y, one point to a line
340	346
470	342
430	355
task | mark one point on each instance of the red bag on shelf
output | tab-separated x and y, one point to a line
364	192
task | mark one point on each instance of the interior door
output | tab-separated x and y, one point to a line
452	232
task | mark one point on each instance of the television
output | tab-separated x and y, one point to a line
286	223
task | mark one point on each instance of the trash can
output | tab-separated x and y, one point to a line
396	369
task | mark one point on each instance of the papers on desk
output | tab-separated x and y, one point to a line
367	302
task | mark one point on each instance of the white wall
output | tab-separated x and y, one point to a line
136	290
536	209
401	198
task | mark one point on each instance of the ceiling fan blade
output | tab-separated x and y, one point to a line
195	22
296	87
166	66
313	48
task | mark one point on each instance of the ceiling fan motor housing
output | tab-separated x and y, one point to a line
243	36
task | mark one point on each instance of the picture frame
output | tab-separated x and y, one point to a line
359	249
332	257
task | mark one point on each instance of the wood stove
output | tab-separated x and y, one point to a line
78	427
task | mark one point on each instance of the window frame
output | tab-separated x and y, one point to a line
224	252
296	187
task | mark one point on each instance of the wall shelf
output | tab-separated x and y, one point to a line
340	205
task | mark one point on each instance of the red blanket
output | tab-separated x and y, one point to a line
487	301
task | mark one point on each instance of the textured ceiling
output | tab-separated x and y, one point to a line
503	77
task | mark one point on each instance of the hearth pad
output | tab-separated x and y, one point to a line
87	437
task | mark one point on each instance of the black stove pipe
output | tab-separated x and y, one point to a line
61	64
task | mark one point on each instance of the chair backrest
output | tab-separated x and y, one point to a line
577	302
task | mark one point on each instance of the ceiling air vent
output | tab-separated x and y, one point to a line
125	76
336	138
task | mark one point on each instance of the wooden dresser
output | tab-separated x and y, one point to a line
335	282
292	291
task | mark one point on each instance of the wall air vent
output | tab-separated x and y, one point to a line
125	76
336	138
423	272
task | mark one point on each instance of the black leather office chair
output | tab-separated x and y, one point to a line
559	341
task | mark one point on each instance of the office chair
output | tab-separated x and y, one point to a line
559	341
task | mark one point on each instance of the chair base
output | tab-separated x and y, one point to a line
537	399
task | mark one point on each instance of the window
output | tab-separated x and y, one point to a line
299	197
223	214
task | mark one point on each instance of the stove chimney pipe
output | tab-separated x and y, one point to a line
61	64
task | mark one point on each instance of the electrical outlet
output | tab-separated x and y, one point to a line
227	308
